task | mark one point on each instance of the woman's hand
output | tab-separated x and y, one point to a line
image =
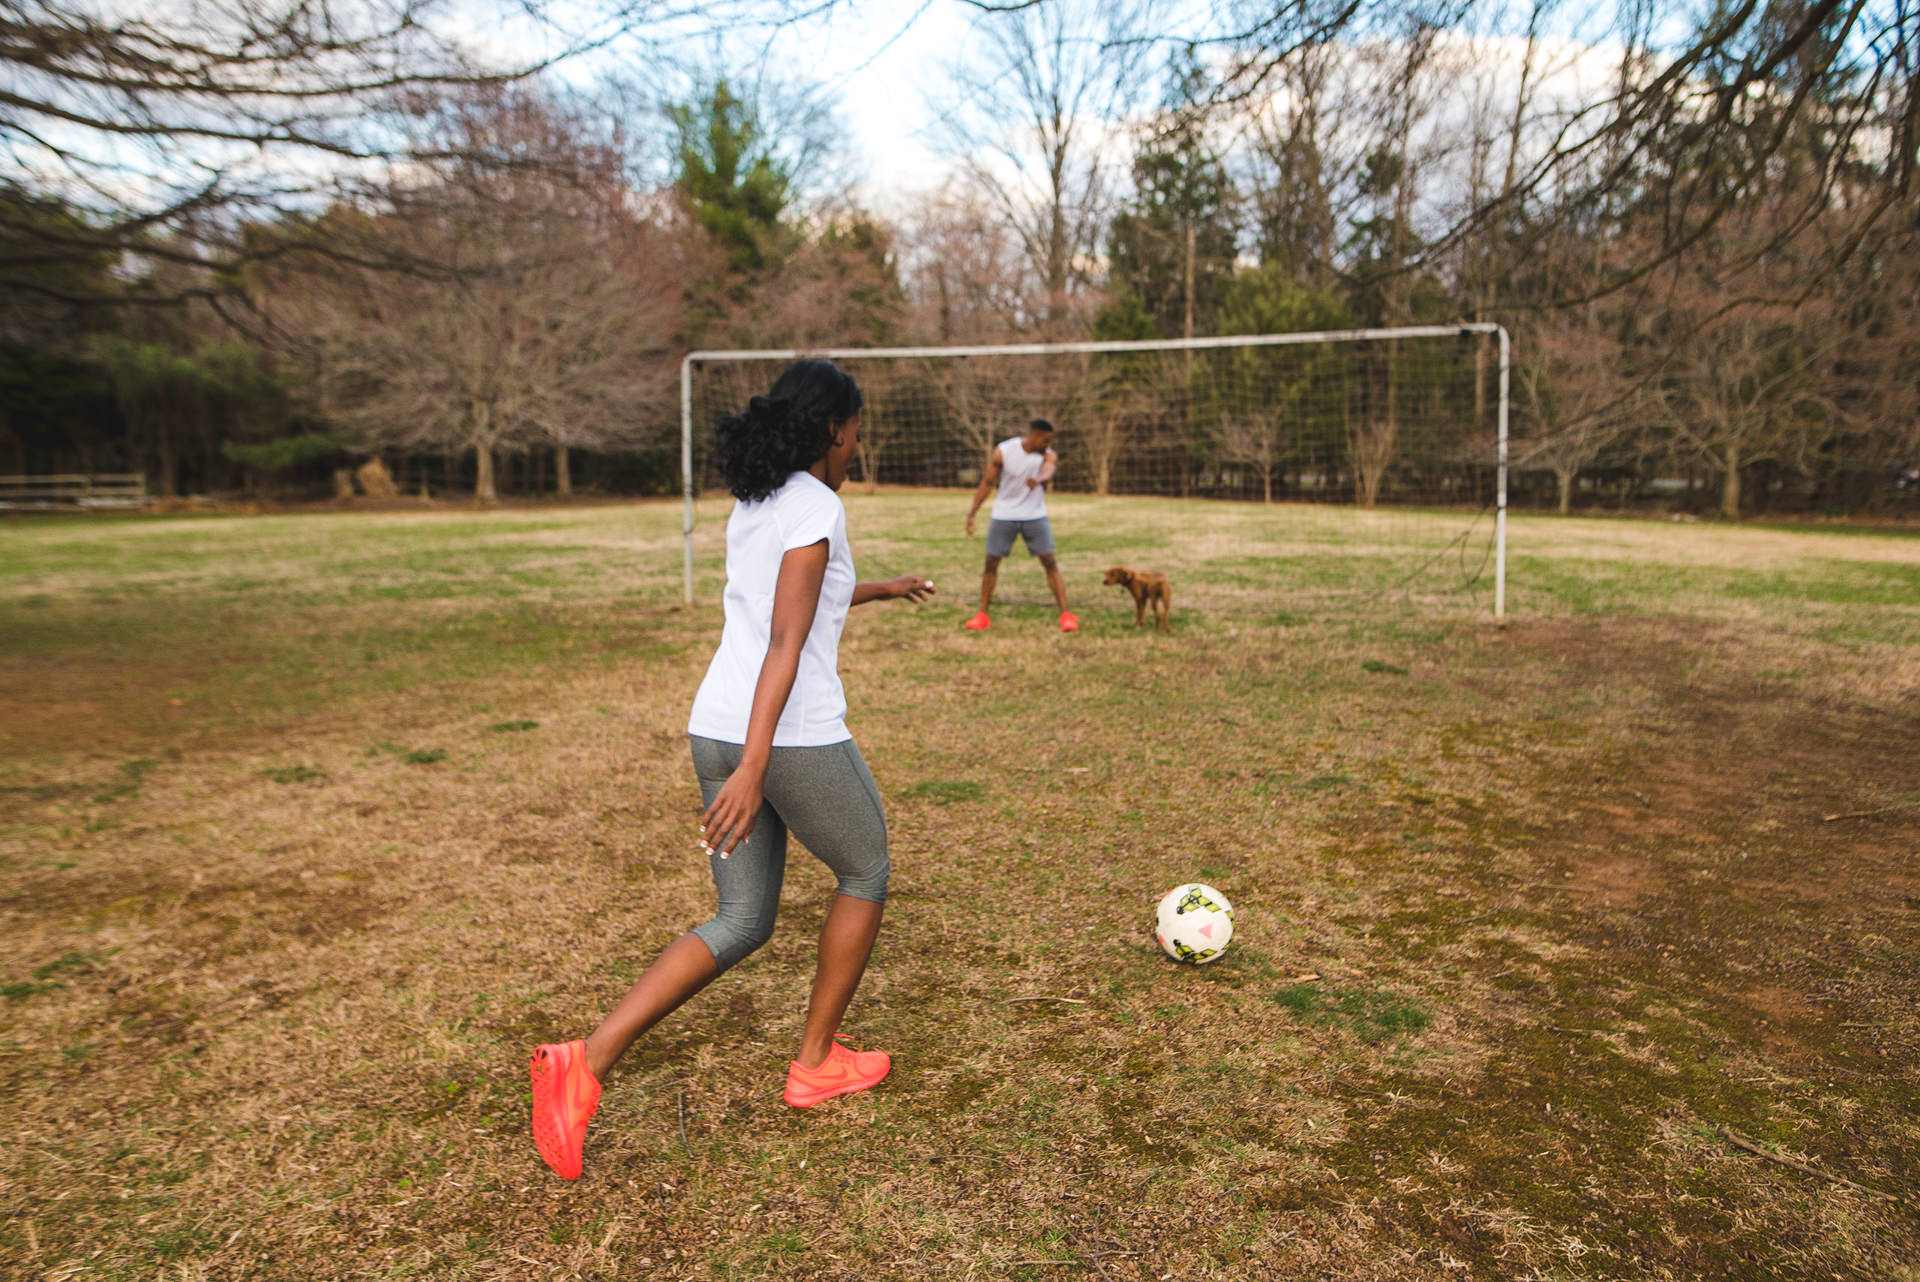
729	820
910	586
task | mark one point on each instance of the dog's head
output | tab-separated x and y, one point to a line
1118	574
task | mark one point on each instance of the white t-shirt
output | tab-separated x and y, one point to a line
800	513
1018	501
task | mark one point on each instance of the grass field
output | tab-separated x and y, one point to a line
1553	959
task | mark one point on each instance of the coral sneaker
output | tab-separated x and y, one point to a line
978	623
565	1094
1069	622
842	1072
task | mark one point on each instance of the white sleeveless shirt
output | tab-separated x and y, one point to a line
800	513
1018	501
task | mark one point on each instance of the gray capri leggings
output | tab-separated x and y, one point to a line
825	796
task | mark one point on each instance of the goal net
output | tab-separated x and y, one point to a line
1377	455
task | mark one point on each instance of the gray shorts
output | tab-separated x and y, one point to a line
1037	533
824	796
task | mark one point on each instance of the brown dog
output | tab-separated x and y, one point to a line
1148	588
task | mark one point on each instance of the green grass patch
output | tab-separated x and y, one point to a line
1370	1015
66	964
945	792
513	727
132	774
293	774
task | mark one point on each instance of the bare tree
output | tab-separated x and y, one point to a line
1295	166
1114	397
1104	422
1254	436
170	128
963	269
1577	394
837	287
1035	114
1371	432
546	316
1849	68
1747	389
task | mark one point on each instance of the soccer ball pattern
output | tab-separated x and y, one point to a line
1194	923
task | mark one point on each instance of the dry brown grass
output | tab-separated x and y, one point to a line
276	952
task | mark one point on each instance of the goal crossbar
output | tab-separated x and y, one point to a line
1100	347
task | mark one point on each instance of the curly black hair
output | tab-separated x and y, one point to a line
786	431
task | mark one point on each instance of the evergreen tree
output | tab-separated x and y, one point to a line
1172	246
735	187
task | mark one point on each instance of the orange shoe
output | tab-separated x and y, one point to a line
978	623
1069	622
842	1072
565	1094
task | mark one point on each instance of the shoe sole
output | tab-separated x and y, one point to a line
550	1138
821	1097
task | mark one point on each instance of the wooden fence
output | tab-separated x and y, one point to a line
61	490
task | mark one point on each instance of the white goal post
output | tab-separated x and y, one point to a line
1357	339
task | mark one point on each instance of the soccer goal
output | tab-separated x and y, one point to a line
1380	454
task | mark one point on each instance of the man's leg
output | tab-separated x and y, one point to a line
1054	581
988	578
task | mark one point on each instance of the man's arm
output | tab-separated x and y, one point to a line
987	484
1048	463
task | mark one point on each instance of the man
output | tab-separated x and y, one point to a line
1020	468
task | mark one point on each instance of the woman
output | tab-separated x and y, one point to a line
771	749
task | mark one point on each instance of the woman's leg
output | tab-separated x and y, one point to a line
846	941
747	885
686	967
829	801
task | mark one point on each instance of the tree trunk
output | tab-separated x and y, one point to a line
1189	283
1057	253
562	472
1479	378
1566	478
169	465
1730	491
483	488
1266	484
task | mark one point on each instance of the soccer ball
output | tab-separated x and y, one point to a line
1194	924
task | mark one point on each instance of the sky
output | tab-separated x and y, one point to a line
884	61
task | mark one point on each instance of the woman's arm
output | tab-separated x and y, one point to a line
910	586
796	595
